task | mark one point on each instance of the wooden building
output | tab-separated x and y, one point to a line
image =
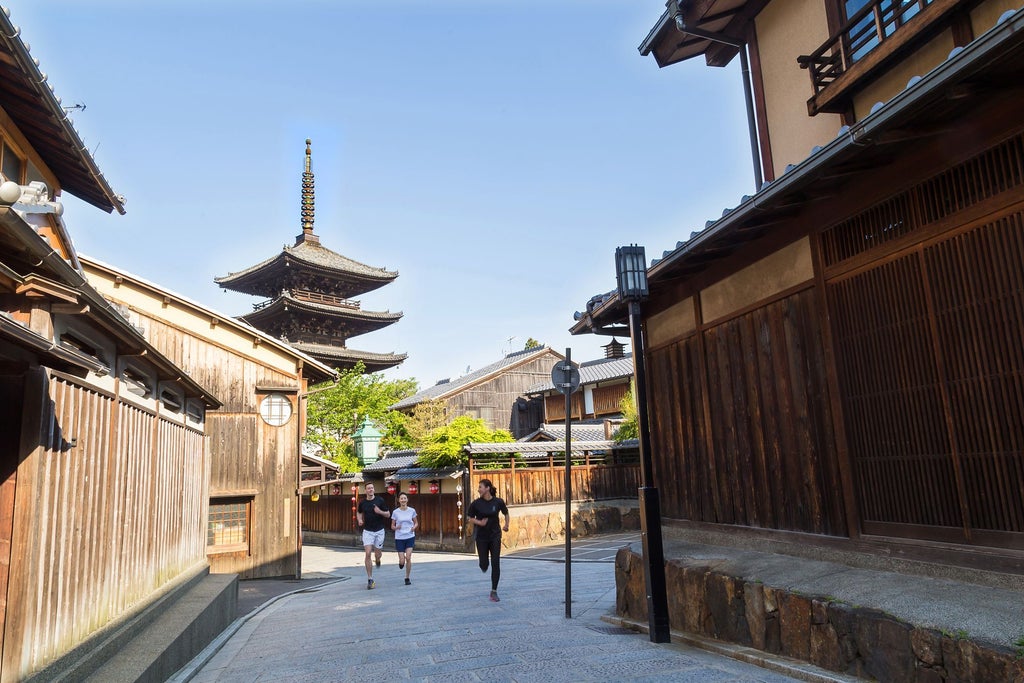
310	291
838	359
603	385
256	439
103	458
496	393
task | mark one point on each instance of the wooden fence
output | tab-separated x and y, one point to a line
518	482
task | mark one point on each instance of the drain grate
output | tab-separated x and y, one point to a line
612	630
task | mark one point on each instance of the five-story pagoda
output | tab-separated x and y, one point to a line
309	291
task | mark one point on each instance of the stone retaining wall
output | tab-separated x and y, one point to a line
827	633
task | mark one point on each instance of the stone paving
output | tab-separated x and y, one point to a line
444	628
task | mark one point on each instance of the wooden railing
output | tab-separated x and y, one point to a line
313	297
870	27
527	482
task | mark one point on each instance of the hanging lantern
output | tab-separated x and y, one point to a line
391	488
413	488
335	490
355	489
435	487
315	495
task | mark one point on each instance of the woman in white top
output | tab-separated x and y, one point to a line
404	522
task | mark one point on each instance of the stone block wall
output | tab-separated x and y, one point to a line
827	633
537	525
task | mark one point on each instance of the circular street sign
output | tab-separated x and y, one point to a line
565	376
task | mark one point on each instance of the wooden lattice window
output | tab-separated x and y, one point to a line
985	175
230	525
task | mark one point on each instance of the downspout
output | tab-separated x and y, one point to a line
755	150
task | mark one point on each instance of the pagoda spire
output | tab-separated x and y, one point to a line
308	199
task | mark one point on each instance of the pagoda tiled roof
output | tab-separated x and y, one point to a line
285	299
308	254
342	355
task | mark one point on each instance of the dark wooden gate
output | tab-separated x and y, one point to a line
929	346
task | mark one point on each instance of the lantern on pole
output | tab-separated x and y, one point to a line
413	488
435	486
391	488
314	495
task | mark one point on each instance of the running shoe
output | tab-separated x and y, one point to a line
378	560
370	584
401	565
494	596
408	582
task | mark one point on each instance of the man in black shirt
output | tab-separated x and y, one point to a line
370	515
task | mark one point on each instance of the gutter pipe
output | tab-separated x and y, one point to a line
755	150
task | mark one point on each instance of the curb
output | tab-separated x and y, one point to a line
189	671
783	665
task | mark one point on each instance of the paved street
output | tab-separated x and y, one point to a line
444	628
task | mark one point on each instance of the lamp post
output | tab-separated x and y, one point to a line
631	274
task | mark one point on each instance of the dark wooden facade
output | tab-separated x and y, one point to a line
880	395
254	466
840	355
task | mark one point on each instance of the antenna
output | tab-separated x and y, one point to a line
78	106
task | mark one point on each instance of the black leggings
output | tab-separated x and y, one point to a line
492	546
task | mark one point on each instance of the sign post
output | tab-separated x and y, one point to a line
566	378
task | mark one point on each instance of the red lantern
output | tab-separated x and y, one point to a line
435	487
355	489
413	488
392	488
335	490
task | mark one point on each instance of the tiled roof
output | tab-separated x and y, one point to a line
285	299
38	114
346	353
316	256
961	63
592	431
541	449
446	388
418	473
394	460
594	371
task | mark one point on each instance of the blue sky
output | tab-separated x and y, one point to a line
494	152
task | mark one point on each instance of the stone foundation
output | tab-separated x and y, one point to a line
827	633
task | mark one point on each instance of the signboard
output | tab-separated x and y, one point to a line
566	376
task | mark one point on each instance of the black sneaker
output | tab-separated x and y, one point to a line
408	582
494	596
370	584
401	565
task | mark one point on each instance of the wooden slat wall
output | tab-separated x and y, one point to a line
761	452
99	526
932	376
246	454
493	400
607	399
546	484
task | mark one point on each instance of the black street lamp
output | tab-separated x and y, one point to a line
631	274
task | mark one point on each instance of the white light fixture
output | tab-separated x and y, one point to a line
31	198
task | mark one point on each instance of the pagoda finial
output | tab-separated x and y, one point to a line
307	195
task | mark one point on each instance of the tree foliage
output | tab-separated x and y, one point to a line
426	417
335	411
629	429
532	343
444	446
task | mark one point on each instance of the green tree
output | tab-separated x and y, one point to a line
335	411
629	429
444	447
426	417
532	343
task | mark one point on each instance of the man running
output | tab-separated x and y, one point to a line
371	515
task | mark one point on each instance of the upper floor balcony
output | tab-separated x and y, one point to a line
873	37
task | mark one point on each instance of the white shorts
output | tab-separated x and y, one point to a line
374	538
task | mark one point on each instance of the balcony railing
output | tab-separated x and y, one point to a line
879	23
313	297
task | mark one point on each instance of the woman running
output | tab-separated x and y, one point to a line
483	514
404	522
